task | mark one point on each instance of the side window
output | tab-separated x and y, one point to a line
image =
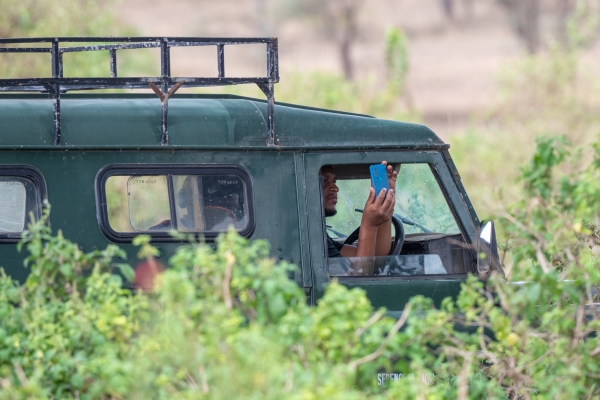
147	203
432	240
419	201
155	200
22	189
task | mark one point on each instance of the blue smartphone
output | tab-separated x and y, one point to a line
379	178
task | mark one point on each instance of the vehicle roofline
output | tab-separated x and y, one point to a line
393	132
407	147
224	96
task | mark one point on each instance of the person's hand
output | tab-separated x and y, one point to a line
378	210
392	175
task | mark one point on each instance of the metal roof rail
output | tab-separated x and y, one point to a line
164	86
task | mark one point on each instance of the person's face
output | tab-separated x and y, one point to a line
330	191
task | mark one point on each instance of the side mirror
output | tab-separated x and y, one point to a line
487	251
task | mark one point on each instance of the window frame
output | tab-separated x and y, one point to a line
32	173
167	169
449	202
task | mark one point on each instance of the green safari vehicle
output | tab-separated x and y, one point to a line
117	165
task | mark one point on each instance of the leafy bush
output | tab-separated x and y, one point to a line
557	224
64	332
228	323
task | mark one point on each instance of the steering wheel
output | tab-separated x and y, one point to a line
398	236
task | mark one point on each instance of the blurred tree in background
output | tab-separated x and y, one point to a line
337	20
581	26
265	24
575	21
524	16
550	93
450	6
38	18
33	18
397	65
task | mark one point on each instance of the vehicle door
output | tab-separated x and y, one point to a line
437	253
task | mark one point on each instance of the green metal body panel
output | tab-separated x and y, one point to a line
70	176
199	123
100	130
393	294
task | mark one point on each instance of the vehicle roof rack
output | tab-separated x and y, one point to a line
164	86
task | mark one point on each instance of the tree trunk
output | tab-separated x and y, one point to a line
469	11
564	8
524	16
448	6
262	18
531	22
346	58
348	36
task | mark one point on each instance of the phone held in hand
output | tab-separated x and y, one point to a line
379	178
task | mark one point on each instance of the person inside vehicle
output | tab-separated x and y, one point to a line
375	238
217	199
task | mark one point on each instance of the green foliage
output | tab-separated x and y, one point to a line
58	265
68	329
39	18
537	176
396	59
227	322
553	92
224	322
583	25
558	224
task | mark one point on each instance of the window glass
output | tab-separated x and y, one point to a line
18	197
419	202
433	242
200	203
117	203
209	202
148	203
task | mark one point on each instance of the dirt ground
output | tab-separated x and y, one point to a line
453	64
